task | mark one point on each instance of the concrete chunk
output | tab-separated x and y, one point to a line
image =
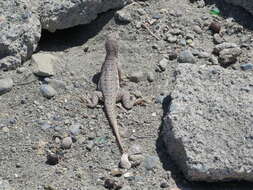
209	129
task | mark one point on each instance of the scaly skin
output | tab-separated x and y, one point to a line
108	87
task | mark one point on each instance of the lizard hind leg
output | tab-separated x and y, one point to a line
126	99
96	96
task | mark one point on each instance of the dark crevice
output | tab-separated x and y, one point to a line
239	14
75	36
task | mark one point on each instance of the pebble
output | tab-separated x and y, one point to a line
137	76
182	42
5	129
164	185
44	64
112	184
186	57
229	56
171	39
151	162
150	76
123	16
67	143
137	159
215	27
21	70
163	64
6	85
75	129
47	91
203	54
52	159
116	172
217	39
197	29
90	145
135	149
124	162
225	45
247	66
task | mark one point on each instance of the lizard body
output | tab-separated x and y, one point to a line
108	89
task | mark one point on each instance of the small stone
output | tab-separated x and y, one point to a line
137	93
172	55
151	162
21	70
75	129
137	76
124	162
109	183
215	27
67	142
128	174
171	39
218	48
229	56
137	158
214	60
44	64
163	64
203	54
47	91
52	159
186	57
6	85
197	29
247	66
135	149
90	145
164	185
150	76
5	129
182	42
116	172
123	16
217	39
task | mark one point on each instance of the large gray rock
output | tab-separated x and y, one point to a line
21	22
19	34
246	4
209	128
61	14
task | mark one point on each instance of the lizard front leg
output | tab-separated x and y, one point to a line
126	99
96	96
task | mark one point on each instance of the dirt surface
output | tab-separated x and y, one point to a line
32	126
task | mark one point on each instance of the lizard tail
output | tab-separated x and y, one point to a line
111	115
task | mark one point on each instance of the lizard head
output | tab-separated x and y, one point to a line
111	44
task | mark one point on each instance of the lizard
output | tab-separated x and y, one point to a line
108	88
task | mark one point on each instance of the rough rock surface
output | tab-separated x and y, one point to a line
58	14
246	4
209	128
21	22
19	34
